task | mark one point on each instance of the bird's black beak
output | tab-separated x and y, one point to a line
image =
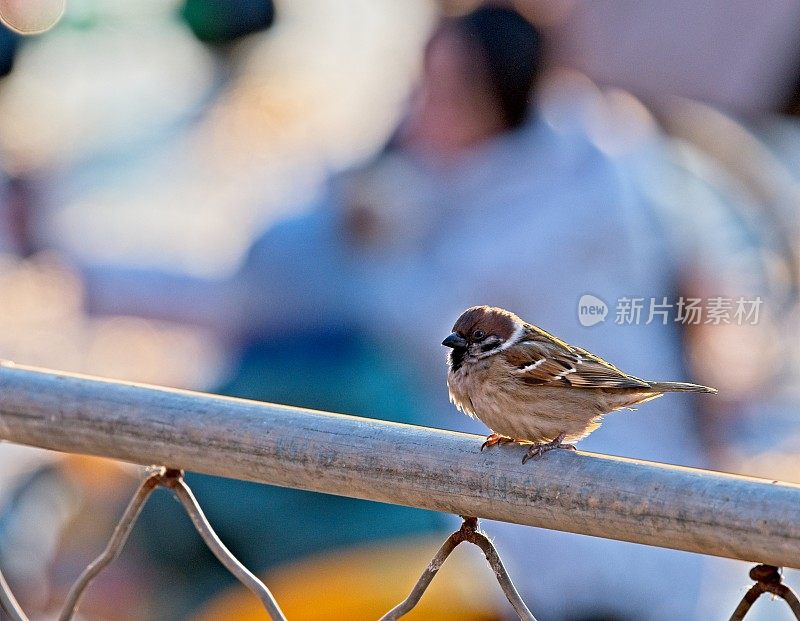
455	340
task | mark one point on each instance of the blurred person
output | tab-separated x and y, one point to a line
479	198
479	71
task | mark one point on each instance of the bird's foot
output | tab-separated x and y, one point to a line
537	450
496	438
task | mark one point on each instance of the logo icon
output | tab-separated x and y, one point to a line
591	310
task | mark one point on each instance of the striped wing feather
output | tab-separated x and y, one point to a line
541	358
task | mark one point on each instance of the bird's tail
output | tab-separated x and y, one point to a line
681	387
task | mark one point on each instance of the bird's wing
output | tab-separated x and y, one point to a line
541	358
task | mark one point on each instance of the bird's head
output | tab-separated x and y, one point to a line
482	331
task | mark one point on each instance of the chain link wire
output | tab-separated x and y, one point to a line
768	578
468	532
173	480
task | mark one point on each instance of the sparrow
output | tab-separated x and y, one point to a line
531	387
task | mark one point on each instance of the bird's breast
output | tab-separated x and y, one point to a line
467	385
488	391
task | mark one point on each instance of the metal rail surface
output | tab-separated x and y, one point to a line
613	497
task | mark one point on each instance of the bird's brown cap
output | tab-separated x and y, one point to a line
489	319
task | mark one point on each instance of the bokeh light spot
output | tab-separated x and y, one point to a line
30	17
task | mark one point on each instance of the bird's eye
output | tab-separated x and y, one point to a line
478	335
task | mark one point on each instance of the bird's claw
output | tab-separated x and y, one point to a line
537	450
495	438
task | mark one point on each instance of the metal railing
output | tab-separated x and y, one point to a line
617	498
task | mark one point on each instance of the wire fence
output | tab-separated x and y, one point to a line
106	418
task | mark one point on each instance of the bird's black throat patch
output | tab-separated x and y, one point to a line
457	355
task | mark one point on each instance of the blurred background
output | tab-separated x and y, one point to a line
294	200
